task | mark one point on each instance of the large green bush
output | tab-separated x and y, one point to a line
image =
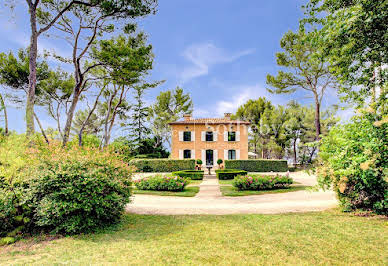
258	165
191	174
226	174
60	190
161	183
260	182
162	165
354	160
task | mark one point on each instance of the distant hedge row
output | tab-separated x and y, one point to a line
162	165
257	165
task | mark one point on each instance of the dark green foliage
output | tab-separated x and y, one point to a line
52	189
161	183
73	197
354	160
258	165
162	165
219	161
229	173
191	174
253	182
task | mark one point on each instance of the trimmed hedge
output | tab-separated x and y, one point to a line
229	173
192	174
258	165
162	165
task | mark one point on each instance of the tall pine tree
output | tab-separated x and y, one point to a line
138	120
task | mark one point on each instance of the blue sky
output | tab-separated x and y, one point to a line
219	51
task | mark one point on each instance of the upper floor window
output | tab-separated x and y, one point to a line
187	136
186	154
232	154
232	136
209	136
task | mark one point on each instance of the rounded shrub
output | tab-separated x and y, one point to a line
62	190
353	159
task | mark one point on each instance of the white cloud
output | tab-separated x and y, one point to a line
205	55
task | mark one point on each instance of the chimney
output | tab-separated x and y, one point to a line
227	116
187	117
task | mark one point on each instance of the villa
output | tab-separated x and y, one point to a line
209	139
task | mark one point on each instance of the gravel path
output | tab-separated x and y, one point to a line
209	200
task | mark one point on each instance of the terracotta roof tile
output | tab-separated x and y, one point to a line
210	121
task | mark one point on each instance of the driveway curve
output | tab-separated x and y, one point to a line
209	200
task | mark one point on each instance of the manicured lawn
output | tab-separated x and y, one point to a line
189	191
231	191
303	239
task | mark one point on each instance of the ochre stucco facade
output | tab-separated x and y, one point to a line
230	139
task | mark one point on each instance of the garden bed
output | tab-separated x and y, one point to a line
230	191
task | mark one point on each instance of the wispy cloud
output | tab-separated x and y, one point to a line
205	55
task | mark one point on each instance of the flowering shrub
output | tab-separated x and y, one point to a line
353	160
255	182
161	183
61	190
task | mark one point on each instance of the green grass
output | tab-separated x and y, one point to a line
319	238
189	191
231	191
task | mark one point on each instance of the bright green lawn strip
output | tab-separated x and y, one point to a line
316	238
231	191
189	191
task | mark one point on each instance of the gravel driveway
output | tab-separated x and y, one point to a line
210	201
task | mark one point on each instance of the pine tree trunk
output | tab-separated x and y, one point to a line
317	118
41	129
32	75
295	160
70	115
5	114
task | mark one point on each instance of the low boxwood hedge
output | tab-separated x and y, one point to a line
229	173
192	174
257	165
162	165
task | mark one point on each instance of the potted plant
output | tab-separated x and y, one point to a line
199	164
219	162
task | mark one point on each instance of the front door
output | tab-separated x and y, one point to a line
209	157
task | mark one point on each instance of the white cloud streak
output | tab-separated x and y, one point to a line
205	55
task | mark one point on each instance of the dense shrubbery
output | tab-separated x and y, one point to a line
162	165
226	174
162	183
59	190
257	165
260	182
354	160
191	174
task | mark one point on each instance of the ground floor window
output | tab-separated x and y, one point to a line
232	154
186	154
